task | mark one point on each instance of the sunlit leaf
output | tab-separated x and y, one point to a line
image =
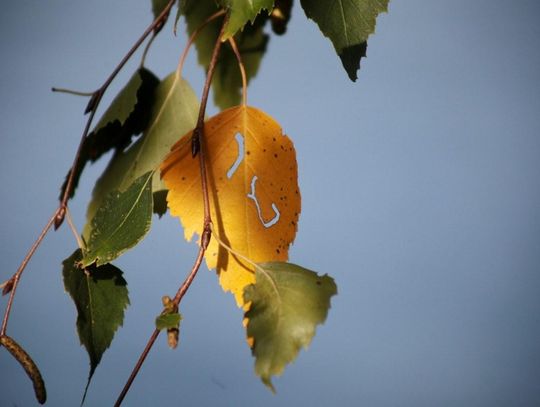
120	222
173	113
101	297
243	11
126	116
348	24
287	302
251	42
254	195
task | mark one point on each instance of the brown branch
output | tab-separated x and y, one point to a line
198	139
59	214
13	282
94	103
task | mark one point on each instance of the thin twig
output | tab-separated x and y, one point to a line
198	133
178	297
14	280
71	91
59	214
94	102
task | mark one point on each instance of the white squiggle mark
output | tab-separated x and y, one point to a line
240	140
252	195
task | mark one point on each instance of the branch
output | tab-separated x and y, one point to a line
10	286
198	141
93	104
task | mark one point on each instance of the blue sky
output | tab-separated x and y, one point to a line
420	197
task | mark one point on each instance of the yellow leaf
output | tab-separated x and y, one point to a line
253	188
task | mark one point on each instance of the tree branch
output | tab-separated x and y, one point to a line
198	141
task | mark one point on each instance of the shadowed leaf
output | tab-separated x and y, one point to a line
126	116
173	113
120	223
101	297
287	302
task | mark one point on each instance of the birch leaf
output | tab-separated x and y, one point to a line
287	302
126	116
120	222
348	24
254	195
100	295
243	11
173	113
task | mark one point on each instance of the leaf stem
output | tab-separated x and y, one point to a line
198	137
193	37
242	69
234	252
73	228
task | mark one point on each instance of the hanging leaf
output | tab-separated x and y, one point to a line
254	195
348	24
173	113
251	42
101	297
242	11
120	223
287	302
126	116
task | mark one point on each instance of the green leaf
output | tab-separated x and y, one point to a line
127	115
348	24
101	297
168	321
287	303
251	42
173	114
242	11
120	222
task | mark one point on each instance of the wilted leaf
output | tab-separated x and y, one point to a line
168	321
348	24
120	223
173	113
101	297
251	42
254	195
242	11
126	116
287	302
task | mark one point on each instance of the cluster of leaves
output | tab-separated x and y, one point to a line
252	172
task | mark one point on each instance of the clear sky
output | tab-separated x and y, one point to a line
420	197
